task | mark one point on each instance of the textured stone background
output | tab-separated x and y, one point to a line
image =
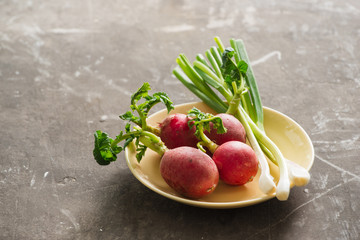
67	68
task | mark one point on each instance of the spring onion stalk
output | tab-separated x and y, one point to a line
240	50
266	183
201	59
213	80
235	80
283	187
298	175
196	78
215	53
214	64
214	103
246	100
220	44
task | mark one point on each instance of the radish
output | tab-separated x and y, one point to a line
175	131
235	130
187	170
237	162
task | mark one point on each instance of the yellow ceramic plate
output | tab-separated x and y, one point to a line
292	140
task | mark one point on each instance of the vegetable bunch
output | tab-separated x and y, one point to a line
198	149
226	71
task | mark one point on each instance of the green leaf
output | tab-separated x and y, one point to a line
218	125
131	137
231	71
199	118
129	116
141	149
140	93
143	108
103	152
228	54
127	127
242	66
154	99
164	98
197	115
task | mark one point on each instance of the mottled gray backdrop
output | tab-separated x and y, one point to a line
69	67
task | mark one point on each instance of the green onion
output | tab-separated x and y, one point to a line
235	80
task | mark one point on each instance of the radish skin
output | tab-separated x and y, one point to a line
234	130
237	162
189	172
175	131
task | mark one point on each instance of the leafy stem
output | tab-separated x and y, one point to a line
143	109
202	121
143	135
106	148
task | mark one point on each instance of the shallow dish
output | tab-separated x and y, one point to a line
289	136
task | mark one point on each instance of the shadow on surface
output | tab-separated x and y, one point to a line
132	211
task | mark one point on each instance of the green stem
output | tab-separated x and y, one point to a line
149	139
215	53
205	140
195	77
143	124
235	101
119	139
142	117
220	44
211	78
154	130
213	102
214	65
153	142
246	102
201	59
236	49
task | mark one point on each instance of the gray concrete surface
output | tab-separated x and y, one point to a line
68	68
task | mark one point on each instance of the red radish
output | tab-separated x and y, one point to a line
235	130
175	131
236	162
189	172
